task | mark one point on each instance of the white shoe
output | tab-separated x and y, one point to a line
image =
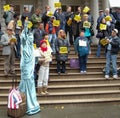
106	76
81	72
85	72
115	76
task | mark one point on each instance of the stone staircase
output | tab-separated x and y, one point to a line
72	87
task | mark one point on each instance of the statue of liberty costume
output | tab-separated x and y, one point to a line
27	84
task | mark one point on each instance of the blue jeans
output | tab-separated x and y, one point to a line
83	62
111	59
59	64
52	38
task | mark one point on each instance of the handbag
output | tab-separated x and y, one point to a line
74	63
99	35
16	101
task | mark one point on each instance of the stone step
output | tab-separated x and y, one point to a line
74	102
73	87
73	95
72	81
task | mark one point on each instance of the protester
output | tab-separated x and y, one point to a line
62	47
26	13
116	15
111	54
68	26
102	34
61	17
36	19
45	17
44	61
81	46
8	41
38	34
8	15
51	30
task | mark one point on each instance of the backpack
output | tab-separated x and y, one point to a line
5	15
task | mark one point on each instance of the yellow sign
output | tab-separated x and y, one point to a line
86	9
34	45
103	26
19	23
56	23
69	22
86	24
57	4
49	13
13	40
77	18
108	18
103	42
30	24
63	50
6	7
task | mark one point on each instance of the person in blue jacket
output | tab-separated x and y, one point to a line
81	46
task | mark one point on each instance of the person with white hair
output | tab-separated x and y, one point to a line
110	20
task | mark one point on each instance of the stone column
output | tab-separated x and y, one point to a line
51	4
105	4
95	12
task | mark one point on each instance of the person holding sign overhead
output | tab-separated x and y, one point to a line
8	13
62	47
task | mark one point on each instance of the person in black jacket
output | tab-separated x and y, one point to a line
116	15
45	17
111	54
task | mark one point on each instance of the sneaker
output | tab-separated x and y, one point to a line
115	76
85	72
106	76
59	73
81	72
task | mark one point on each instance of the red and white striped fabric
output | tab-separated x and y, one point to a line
14	99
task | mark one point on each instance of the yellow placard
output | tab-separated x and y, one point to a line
86	9
57	4
30	24
6	7
103	42
13	40
63	50
103	26
34	45
56	23
69	22
49	13
19	23
77	18
86	24
108	18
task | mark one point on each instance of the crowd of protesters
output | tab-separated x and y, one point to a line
56	40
